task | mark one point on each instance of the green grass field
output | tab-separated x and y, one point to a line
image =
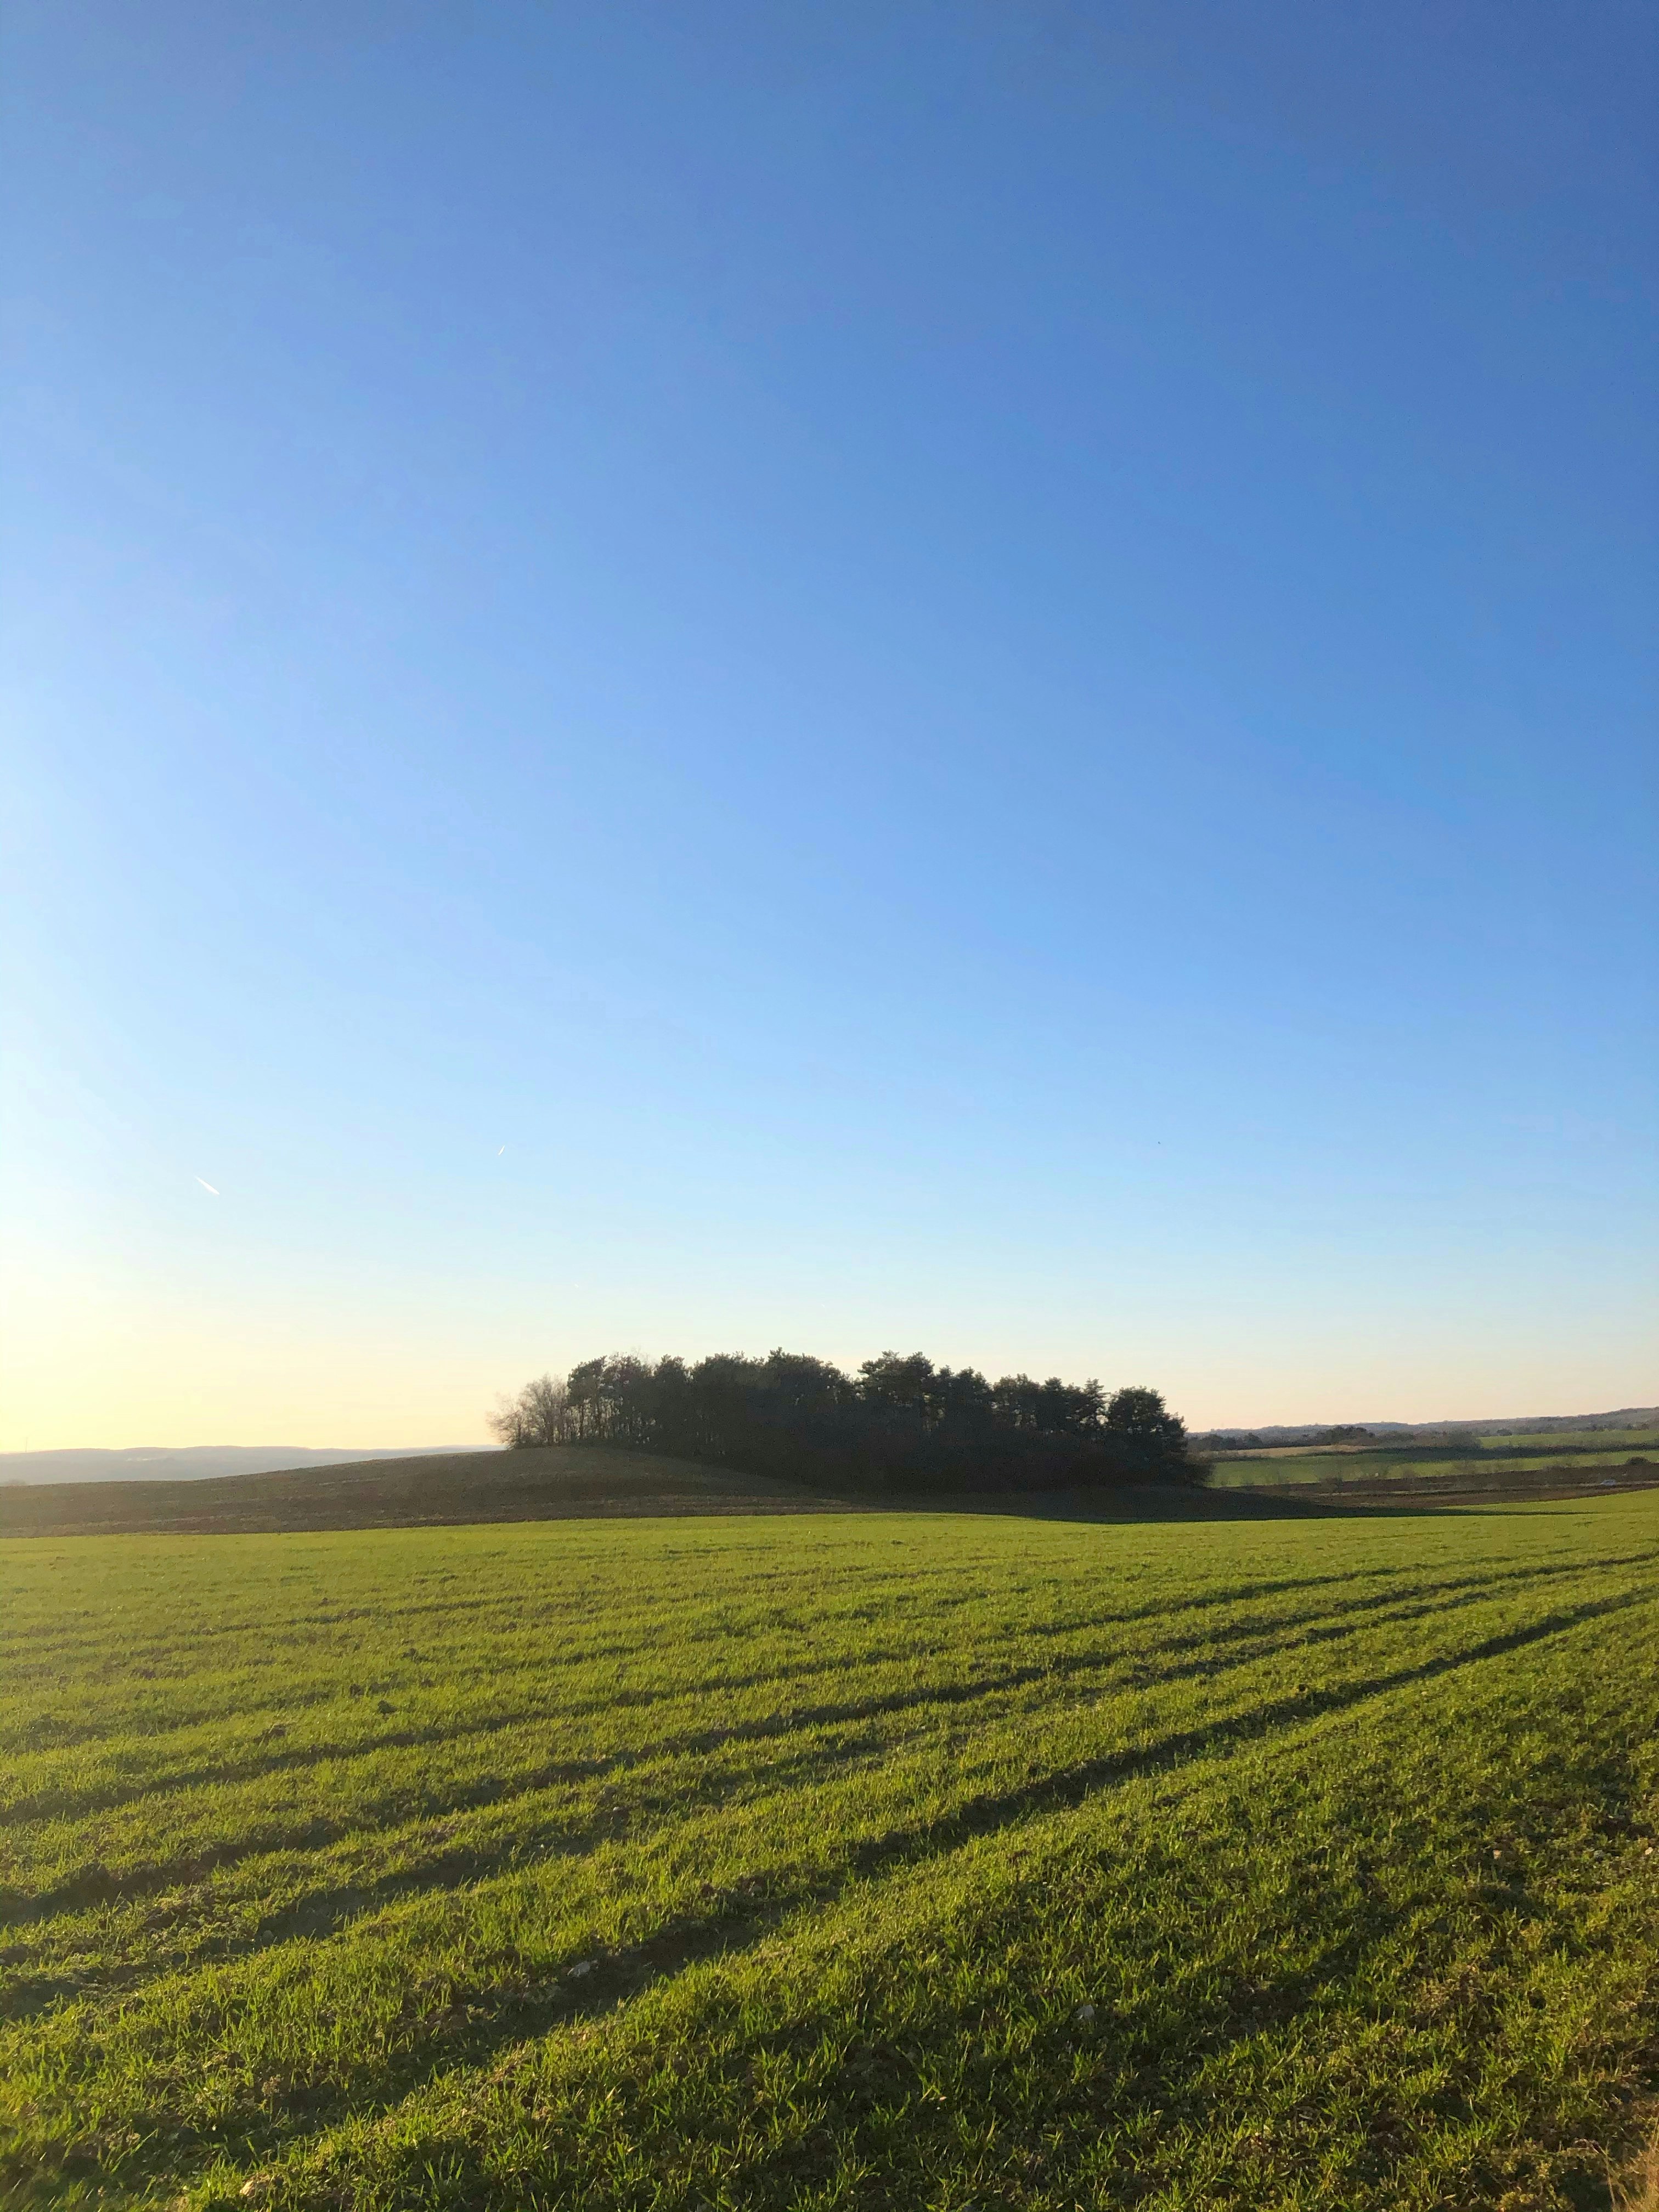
888	1859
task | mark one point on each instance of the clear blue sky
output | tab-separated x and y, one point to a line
982	678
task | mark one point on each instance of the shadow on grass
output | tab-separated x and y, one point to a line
1157	1504
479	2023
1153	1503
1187	1653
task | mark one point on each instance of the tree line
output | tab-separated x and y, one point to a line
899	1421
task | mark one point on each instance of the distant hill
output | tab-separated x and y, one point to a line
195	1463
428	1487
557	1481
1526	1424
205	1462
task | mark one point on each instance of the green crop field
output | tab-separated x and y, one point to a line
865	1860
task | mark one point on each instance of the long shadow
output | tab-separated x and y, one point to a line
97	1885
1265	1634
1197	1503
1145	1503
480	2023
256	1762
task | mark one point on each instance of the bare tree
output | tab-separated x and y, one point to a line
540	1415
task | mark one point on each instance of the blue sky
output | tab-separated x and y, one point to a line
688	680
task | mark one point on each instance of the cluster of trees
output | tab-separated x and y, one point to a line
899	1420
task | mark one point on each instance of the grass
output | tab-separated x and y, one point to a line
873	1859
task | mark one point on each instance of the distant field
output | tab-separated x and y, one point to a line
859	1861
1513	1463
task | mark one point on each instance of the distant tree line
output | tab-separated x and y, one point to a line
899	1421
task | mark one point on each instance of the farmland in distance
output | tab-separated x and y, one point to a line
844	1859
1513	1466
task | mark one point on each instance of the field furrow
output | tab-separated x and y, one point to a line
529	1805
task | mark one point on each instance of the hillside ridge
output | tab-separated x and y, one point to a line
209	1462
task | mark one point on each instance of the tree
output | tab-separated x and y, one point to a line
900	1421
963	1401
898	1385
584	1389
1145	1434
540	1415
